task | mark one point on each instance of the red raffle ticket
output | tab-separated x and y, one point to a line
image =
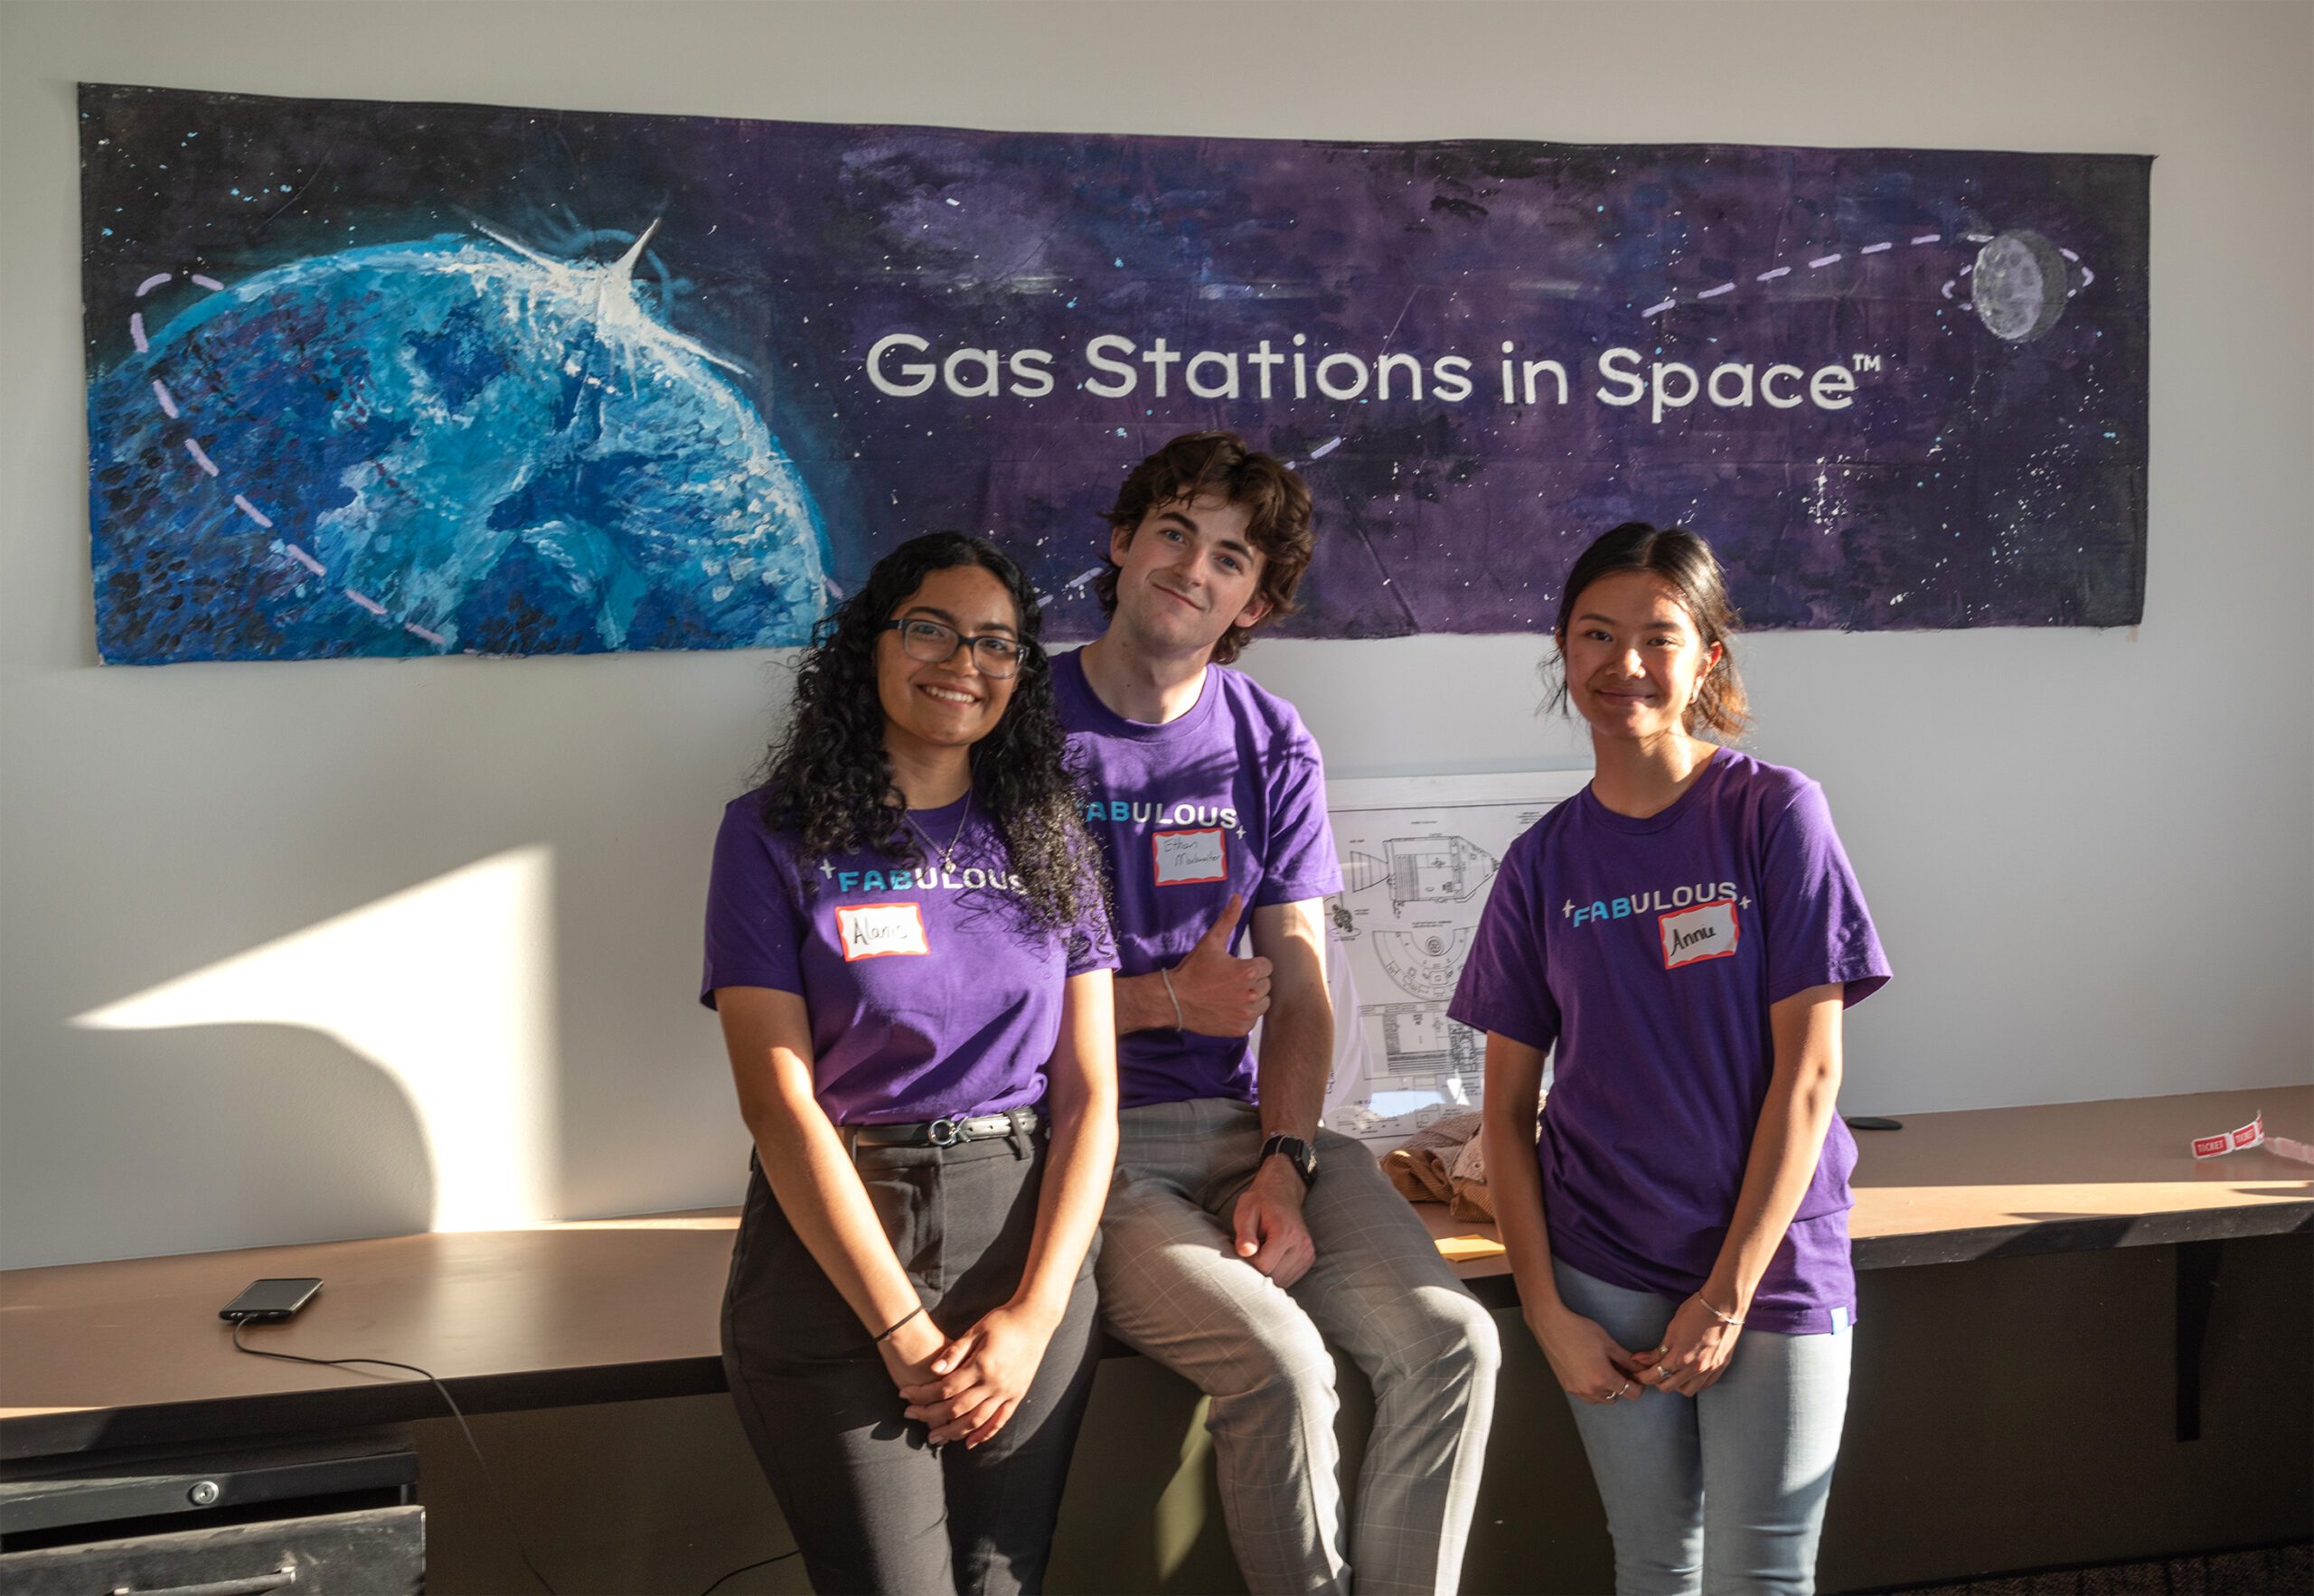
2253	1134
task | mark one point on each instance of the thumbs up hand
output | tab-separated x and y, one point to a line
1220	995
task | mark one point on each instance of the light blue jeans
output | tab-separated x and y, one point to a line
1721	1492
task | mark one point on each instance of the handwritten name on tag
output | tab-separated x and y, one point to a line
1708	930
1183	857
877	931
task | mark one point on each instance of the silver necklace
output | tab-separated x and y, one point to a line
949	854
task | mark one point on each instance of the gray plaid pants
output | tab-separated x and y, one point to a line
1173	1287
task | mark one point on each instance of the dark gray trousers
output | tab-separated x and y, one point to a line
874	1507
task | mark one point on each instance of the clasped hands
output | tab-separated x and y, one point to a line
1593	1368
969	1388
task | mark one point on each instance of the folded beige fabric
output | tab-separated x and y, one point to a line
1443	1163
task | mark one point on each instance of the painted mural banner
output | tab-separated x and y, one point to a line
391	379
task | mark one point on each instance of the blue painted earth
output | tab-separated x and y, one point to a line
499	449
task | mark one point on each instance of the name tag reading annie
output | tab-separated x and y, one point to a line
875	931
1183	857
1708	930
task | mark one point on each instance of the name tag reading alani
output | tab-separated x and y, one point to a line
876	931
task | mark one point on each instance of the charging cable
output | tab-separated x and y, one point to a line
497	1500
743	1568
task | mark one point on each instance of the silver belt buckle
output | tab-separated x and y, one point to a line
945	1133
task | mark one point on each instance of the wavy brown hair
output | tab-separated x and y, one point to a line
1686	562
1276	504
828	780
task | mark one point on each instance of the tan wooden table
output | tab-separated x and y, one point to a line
131	1353
2063	1178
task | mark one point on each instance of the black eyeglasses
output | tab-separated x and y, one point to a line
929	640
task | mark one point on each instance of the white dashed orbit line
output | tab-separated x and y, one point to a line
200	457
1821	261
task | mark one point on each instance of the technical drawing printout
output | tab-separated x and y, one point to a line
1419	856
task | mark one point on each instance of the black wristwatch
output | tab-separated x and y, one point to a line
1298	1152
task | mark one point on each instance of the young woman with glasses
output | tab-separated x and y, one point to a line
1682	937
907	946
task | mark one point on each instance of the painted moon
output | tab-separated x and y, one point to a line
2018	286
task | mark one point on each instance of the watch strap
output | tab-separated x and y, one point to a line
1298	1153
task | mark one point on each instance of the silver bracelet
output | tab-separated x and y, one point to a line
1725	1319
1180	1022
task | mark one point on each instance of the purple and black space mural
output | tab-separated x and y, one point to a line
394	379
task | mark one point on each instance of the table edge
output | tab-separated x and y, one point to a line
281	1413
401	1401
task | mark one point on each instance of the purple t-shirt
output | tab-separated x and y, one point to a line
932	993
1230	797
1647	951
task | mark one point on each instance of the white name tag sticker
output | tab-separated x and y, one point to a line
1183	857
1708	930
877	931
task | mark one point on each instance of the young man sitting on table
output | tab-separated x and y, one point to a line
1242	1245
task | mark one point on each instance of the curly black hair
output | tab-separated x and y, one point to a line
830	782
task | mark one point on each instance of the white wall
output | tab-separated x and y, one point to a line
2089	852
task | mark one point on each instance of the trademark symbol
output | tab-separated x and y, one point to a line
1864	363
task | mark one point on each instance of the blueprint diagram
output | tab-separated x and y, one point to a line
1419	855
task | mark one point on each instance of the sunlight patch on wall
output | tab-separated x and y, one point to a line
446	987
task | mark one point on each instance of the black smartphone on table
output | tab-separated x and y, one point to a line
265	1300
